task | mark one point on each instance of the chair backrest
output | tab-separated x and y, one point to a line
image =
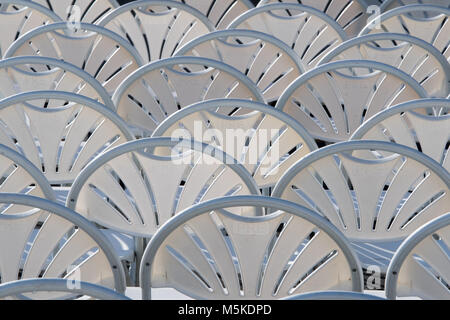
134	190
87	11
36	289
391	4
334	295
19	175
433	27
368	196
48	240
105	55
351	15
331	104
62	135
412	55
157	90
19	74
157	28
421	124
420	267
220	13
266	141
266	60
308	31
19	17
207	252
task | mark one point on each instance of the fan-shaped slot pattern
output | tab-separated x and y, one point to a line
16	178
25	77
268	62
90	11
202	247
402	195
133	193
60	140
103	54
270	145
20	19
162	88
331	105
409	54
427	22
47	245
220	13
392	4
420	268
309	32
157	29
229	258
415	125
351	15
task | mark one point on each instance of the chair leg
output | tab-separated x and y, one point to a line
128	267
139	244
139	247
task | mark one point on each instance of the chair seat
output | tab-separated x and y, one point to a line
61	194
123	244
375	253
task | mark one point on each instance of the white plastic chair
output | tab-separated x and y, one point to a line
133	190
267	61
375	200
206	252
421	124
221	12
20	16
89	11
433	26
412	55
420	267
62	135
33	289
157	28
48	240
19	74
105	55
157	90
266	141
331	104
351	15
308	31
19	175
